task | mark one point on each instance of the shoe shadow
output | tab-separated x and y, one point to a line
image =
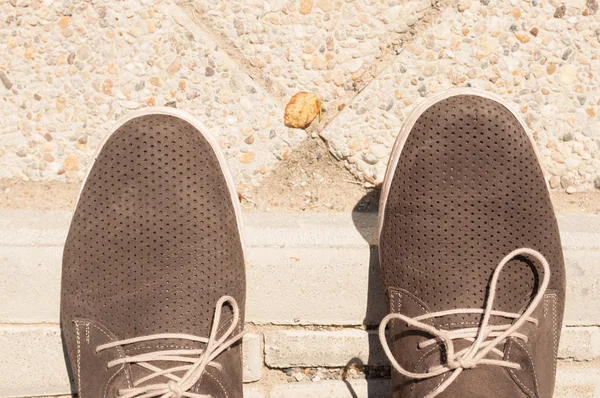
364	216
354	363
68	363
377	386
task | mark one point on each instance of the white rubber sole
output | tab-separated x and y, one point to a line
158	110
408	126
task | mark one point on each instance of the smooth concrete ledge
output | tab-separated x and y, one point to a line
312	268
298	229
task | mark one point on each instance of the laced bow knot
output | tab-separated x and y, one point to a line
462	363
484	339
175	389
195	361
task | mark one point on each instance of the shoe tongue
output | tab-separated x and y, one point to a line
171	344
138	372
465	321
462	321
461	344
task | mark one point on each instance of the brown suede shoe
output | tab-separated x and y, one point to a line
470	255
153	284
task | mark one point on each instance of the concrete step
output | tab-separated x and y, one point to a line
570	383
316	271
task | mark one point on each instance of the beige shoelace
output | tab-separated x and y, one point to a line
198	359
473	355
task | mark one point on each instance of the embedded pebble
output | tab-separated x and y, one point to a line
464	5
5	80
302	109
67	73
370	61
567	74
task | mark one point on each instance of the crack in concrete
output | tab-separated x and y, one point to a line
392	45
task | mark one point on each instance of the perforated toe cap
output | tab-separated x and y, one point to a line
154	242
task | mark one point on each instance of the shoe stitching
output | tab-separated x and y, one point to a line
514	375
458	323
99	328
159	346
199	383
554	328
120	355
87	324
416	367
239	327
474	355
395	298
396	306
103	331
401	292
398	294
197	368
241	353
79	394
512	372
221	385
442	378
109	381
535	379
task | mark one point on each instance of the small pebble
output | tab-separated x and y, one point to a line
5	81
91	64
